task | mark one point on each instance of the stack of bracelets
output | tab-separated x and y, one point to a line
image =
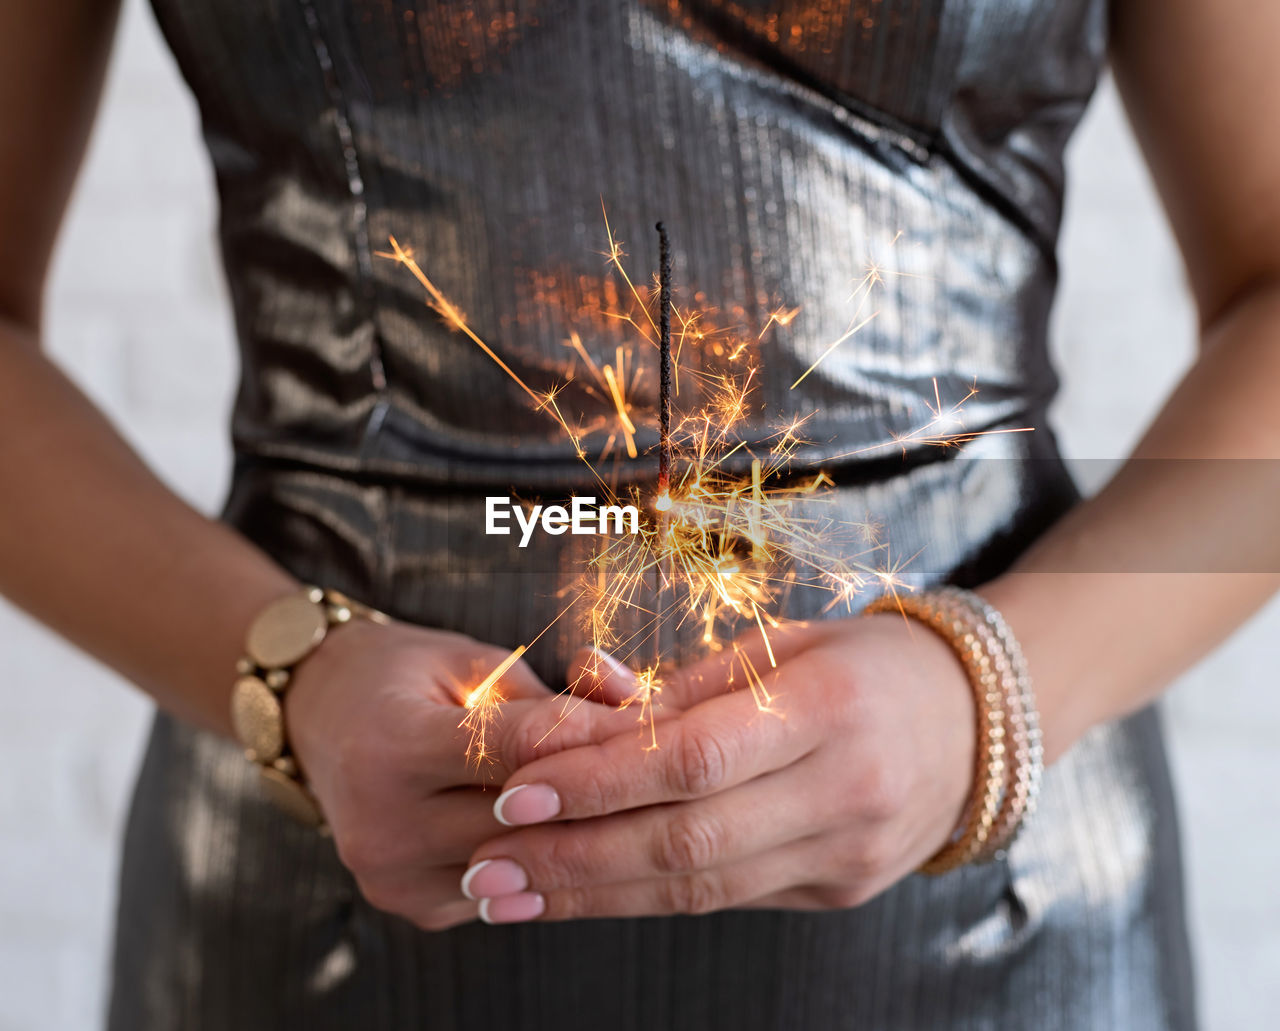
1010	758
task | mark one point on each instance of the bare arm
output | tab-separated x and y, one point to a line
94	545
1140	582
90	541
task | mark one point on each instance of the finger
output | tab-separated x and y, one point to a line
483	744
444	828
712	747
452	914
459	747
809	897
430	899
597	675
841	892
456	742
750	657
705	891
657	841
594	673
450	823
534	730
512	678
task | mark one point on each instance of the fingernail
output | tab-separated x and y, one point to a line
612	666
512	909
492	877
527	803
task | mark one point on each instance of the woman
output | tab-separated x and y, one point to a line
784	144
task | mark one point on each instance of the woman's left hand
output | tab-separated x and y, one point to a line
857	773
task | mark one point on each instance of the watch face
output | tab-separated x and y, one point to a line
258	719
286	631
292	797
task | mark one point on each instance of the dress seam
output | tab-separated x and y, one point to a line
361	243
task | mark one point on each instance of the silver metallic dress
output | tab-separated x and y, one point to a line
786	145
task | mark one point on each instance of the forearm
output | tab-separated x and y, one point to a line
95	546
1138	583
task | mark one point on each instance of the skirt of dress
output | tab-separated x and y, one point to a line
230	916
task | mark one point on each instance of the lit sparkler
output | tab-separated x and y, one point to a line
723	548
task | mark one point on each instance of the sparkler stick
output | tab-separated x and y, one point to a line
664	359
663	503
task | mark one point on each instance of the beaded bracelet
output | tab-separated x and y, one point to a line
1023	738
940	616
1009	756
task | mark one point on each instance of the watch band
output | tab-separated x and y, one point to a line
280	637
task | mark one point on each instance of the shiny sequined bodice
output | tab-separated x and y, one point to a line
787	146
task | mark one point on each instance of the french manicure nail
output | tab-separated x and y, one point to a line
527	803
612	666
470	875
493	877
512	909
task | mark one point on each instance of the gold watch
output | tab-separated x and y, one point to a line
280	637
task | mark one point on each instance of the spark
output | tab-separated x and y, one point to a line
778	317
482	704
854	328
763	699
615	392
648	687
944	429
447	310
874	275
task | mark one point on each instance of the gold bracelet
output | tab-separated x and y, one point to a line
283	634
945	619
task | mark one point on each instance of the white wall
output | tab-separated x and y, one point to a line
138	314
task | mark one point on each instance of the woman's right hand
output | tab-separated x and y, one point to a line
373	718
